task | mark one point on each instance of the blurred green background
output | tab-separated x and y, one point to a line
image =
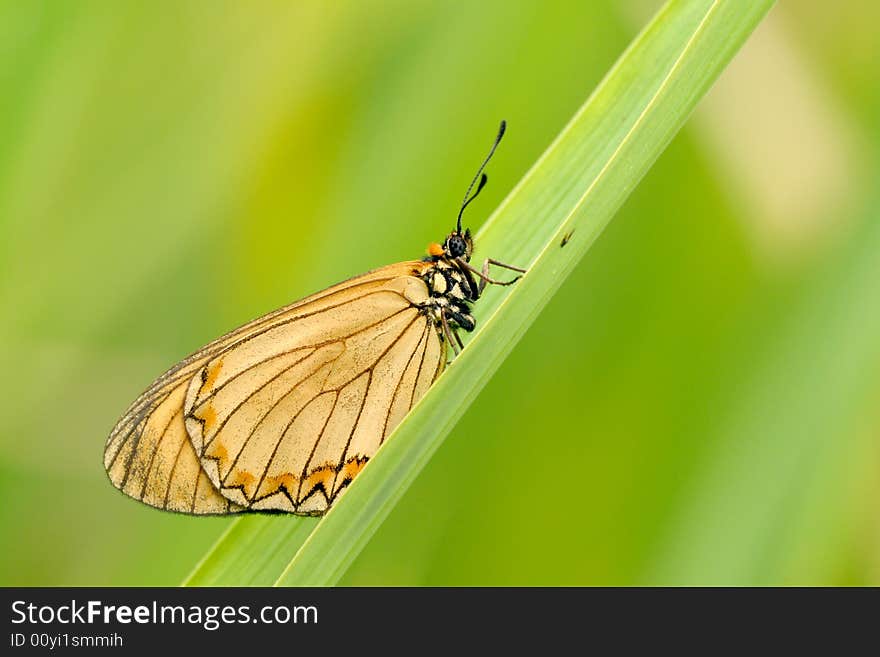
698	405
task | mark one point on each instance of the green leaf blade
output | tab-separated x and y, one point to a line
573	190
252	551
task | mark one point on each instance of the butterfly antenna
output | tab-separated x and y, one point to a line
482	177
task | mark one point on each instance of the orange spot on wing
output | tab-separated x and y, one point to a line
220	451
352	467
319	476
208	415
240	478
210	375
272	484
216	450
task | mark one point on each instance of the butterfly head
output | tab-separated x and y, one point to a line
456	245
459	245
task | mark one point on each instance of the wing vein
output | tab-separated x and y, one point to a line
250	396
281	437
314	348
156	449
363	401
183	444
264	416
192	506
351	433
140	435
315	446
399	381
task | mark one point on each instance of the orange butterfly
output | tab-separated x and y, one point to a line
282	413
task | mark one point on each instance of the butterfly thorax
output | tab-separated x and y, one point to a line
452	290
451	286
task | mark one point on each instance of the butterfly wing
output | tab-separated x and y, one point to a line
283	412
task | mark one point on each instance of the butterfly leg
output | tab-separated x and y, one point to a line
448	333
483	273
458	339
503	265
485	279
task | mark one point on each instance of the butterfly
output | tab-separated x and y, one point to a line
281	414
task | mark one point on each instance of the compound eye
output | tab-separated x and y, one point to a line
456	246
